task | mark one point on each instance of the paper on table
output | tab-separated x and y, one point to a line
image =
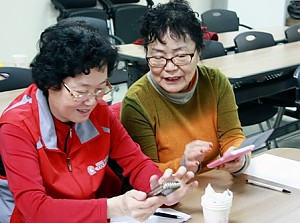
276	169
155	219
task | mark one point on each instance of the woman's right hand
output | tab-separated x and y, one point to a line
134	204
194	154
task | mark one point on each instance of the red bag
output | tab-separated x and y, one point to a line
209	35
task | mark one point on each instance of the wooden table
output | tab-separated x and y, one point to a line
251	73
132	53
239	65
256	62
254	68
254	65
136	53
251	204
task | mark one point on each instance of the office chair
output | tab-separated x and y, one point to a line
95	13
256	112
221	20
124	17
68	8
289	100
15	78
252	40
292	33
117	76
212	49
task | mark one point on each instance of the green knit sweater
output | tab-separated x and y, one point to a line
163	128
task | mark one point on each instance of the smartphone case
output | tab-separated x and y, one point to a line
230	156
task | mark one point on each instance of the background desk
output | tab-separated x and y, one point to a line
251	73
257	66
251	204
253	63
132	53
253	66
136	53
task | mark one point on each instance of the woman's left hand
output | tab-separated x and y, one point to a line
183	176
234	165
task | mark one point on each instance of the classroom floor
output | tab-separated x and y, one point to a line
289	141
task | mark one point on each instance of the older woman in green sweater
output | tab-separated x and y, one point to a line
180	112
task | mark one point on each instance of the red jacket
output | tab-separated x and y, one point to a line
50	185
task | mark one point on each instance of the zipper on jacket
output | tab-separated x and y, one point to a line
69	164
69	135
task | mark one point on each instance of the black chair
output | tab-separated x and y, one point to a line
124	17
117	76
292	33
212	49
69	8
252	40
277	103
221	20
289	100
256	112
296	114
15	78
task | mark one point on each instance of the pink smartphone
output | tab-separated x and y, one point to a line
230	156
248	145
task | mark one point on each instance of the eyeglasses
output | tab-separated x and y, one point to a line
178	60
84	96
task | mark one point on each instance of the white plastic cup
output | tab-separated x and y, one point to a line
214	212
20	60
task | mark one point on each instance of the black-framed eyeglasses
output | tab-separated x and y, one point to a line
80	97
178	60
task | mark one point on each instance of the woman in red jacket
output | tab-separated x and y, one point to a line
58	137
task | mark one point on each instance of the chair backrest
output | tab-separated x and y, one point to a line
127	27
292	33
252	40
67	7
212	49
221	20
98	23
124	17
93	13
17	78
117	76
70	4
108	5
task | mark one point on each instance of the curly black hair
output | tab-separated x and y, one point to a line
68	49
176	16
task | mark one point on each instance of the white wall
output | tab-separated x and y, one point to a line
21	21
201	6
257	13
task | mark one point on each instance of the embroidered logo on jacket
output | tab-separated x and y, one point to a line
98	166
